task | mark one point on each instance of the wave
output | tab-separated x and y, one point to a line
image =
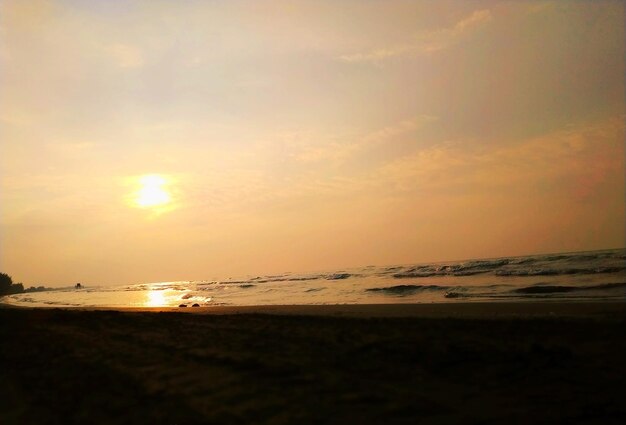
553	289
406	289
279	279
480	264
556	257
233	282
520	261
444	272
517	266
469	268
300	279
285	279
407	275
338	276
549	289
392	269
270	277
555	272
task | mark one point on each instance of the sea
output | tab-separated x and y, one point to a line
574	276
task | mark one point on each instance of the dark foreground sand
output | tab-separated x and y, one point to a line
429	364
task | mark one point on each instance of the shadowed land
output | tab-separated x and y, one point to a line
473	365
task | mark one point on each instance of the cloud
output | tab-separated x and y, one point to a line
540	7
125	56
306	148
397	129
426	42
67	150
478	17
574	162
14	117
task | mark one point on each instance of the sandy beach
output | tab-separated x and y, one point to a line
431	364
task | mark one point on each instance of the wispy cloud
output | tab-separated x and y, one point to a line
125	55
426	42
340	149
14	117
397	129
574	162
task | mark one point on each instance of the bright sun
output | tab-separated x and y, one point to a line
152	193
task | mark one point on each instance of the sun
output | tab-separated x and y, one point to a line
152	192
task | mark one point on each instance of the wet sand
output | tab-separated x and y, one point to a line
431	364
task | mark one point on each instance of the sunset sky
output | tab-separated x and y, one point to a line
145	141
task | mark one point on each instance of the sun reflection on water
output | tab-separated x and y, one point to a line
155	299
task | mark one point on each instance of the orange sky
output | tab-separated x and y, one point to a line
163	140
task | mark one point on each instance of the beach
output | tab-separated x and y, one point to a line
524	362
312	212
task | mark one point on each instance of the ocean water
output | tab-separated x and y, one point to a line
579	276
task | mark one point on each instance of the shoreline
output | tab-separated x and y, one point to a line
463	310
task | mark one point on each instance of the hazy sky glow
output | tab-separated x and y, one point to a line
179	140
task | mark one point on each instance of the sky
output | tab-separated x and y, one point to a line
147	141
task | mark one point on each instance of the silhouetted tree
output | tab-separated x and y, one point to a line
35	289
5	283
7	286
16	288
